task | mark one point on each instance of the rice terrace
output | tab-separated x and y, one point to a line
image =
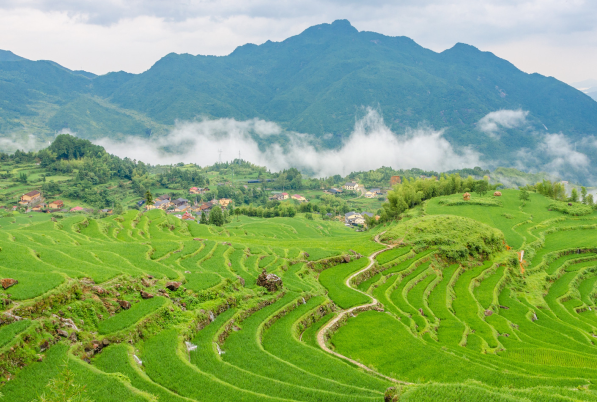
491	299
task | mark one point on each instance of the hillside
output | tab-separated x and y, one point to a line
144	305
315	82
82	174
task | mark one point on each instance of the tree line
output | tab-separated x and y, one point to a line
414	191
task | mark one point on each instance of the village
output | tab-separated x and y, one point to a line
189	209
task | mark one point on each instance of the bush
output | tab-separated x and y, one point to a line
572	208
483	202
458	238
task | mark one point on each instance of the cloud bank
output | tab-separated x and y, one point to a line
563	154
493	122
25	144
371	145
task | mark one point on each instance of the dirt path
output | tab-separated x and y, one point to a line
322	332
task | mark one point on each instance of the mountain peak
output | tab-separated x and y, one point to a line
341	27
462	48
344	25
7	55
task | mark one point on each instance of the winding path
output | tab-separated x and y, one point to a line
322	332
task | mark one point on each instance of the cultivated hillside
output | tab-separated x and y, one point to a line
435	307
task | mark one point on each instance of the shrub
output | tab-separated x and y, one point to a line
572	208
457	237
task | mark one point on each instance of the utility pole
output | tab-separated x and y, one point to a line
220	157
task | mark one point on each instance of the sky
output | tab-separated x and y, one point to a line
552	37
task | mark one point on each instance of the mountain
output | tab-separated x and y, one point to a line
316	82
6	55
587	86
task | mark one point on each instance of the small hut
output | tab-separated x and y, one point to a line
497	194
466	197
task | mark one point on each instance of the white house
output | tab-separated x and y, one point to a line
351	185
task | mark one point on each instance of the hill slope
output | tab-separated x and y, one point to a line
177	308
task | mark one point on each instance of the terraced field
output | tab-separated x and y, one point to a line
146	307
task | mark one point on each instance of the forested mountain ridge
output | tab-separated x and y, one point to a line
316	82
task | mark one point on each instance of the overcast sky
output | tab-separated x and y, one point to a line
551	37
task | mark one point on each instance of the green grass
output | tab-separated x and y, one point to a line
8	332
30	284
201	281
452	268
31	382
282	341
457	238
418	361
127	318
319	254
165	365
465	307
207	359
118	359
390	255
333	279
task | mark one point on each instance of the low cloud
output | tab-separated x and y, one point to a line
371	145
493	122
25	144
556	155
563	153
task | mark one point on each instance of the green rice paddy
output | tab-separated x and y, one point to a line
480	327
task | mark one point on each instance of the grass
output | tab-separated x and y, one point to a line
101	387
207	359
282	341
333	279
417	361
165	365
118	359
127	318
244	351
10	331
201	281
392	254
476	339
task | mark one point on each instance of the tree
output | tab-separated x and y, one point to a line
573	195
583	193
216	217
481	187
63	389
23	177
203	219
589	199
237	212
117	208
523	195
148	198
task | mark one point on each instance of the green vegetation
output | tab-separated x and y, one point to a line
458	316
10	331
127	318
573	209
339	71
457	238
333	279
